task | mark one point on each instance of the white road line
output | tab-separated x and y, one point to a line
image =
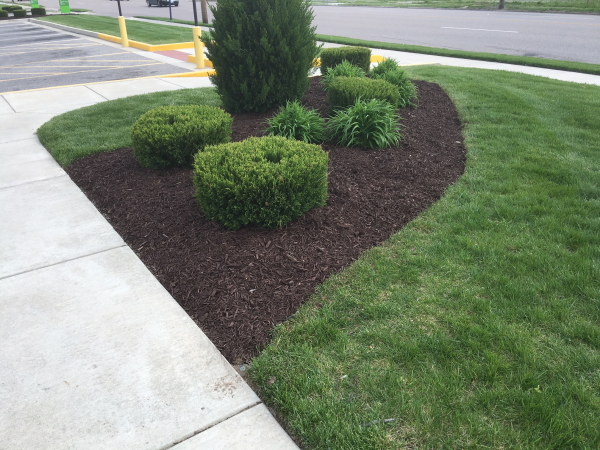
480	29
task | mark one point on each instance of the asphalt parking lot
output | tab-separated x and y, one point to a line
33	57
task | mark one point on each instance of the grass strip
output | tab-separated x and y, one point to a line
183	22
478	324
148	33
570	66
106	126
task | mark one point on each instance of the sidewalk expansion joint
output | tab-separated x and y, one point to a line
201	430
89	88
8	103
63	261
32	181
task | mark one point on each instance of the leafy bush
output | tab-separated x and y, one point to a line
357	56
19	13
171	135
366	124
266	181
262	52
11	8
295	122
3	13
389	71
344	91
344	69
38	11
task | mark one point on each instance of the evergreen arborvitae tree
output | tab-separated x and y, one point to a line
262	51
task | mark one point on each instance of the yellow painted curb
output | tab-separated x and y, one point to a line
207	63
206	73
147	47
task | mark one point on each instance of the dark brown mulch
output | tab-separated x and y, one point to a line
237	285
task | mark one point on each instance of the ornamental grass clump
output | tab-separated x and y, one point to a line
366	124
295	122
344	69
170	135
389	71
344	91
267	181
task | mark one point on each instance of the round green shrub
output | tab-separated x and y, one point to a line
344	69
38	11
267	181
357	56
3	13
344	91
19	13
171	135
295	122
371	124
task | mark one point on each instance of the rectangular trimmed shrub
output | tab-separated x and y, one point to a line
344	91
3	13
19	13
357	56
38	11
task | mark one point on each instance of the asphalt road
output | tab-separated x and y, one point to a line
569	37
33	57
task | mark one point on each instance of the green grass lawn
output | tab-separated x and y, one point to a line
494	57
165	19
106	126
478	324
575	6
148	33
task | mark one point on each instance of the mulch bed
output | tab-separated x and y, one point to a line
236	285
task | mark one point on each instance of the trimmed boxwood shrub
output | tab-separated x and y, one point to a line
3	13
19	13
357	56
267	181
38	11
11	8
344	91
171	135
262	51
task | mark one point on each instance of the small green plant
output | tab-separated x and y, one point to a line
389	71
3	13
357	56
344	69
366	124
19	13
267	181
295	122
39	11
171	135
344	91
12	8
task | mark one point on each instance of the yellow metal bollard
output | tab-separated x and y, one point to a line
198	47
123	28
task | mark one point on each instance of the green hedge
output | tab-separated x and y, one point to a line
11	8
3	13
267	181
357	56
171	135
38	11
19	13
344	91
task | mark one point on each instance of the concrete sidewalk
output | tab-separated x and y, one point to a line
94	352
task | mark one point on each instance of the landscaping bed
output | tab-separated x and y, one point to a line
237	285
